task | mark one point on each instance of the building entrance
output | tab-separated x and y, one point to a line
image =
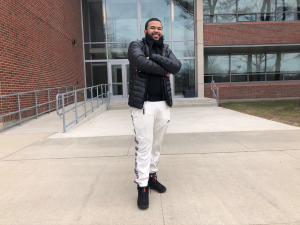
118	78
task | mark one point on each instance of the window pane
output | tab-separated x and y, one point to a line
210	19
221	6
207	79
266	17
185	78
214	64
117	50
287	5
156	9
121	20
257	77
292	76
246	6
96	73
95	51
283	62
285	16
246	17
248	63
184	49
220	79
239	78
274	77
93	22
226	18
183	26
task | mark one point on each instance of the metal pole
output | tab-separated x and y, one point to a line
85	102
20	119
76	107
102	93
107	100
67	95
49	100
36	108
63	111
97	97
58	99
92	99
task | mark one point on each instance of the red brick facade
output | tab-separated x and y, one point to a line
36	48
251	33
256	90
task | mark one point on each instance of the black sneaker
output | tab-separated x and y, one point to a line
143	197
155	185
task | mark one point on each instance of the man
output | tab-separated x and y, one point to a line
151	64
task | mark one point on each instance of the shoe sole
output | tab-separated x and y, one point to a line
143	207
158	191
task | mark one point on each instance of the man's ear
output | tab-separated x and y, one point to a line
145	31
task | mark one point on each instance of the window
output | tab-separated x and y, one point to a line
220	11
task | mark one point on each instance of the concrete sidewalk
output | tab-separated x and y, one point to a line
219	166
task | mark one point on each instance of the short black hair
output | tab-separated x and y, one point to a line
152	19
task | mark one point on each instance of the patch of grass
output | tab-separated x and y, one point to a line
284	111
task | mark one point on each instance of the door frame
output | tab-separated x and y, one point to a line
123	64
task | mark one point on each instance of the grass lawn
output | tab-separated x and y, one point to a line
284	111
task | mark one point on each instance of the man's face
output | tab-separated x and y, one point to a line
154	29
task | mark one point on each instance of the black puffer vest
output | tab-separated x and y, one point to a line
157	65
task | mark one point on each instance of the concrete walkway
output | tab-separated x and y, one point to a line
219	166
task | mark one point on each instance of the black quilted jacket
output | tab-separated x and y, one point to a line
158	65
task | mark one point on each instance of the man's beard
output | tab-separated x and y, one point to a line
150	40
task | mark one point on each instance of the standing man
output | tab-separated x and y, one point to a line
151	64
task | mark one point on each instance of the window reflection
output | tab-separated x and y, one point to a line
121	20
287	5
247	63
185	78
117	50
156	9
93	21
214	64
283	62
226	18
253	6
219	6
183	26
95	51
184	49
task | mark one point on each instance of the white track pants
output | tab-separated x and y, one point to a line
149	131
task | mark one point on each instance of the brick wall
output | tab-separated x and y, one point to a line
36	49
251	33
256	90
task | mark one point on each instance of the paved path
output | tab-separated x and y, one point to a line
219	166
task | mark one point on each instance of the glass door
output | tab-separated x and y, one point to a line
118	79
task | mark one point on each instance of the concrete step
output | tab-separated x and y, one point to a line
177	103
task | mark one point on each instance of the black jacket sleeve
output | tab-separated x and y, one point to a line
171	63
139	61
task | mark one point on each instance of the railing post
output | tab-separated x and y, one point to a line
97	96
107	100
102	93
58	99
36	108
20	119
84	102
63	111
76	107
92	99
49	100
67	95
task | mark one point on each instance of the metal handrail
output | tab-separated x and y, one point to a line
61	111
215	91
36	106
